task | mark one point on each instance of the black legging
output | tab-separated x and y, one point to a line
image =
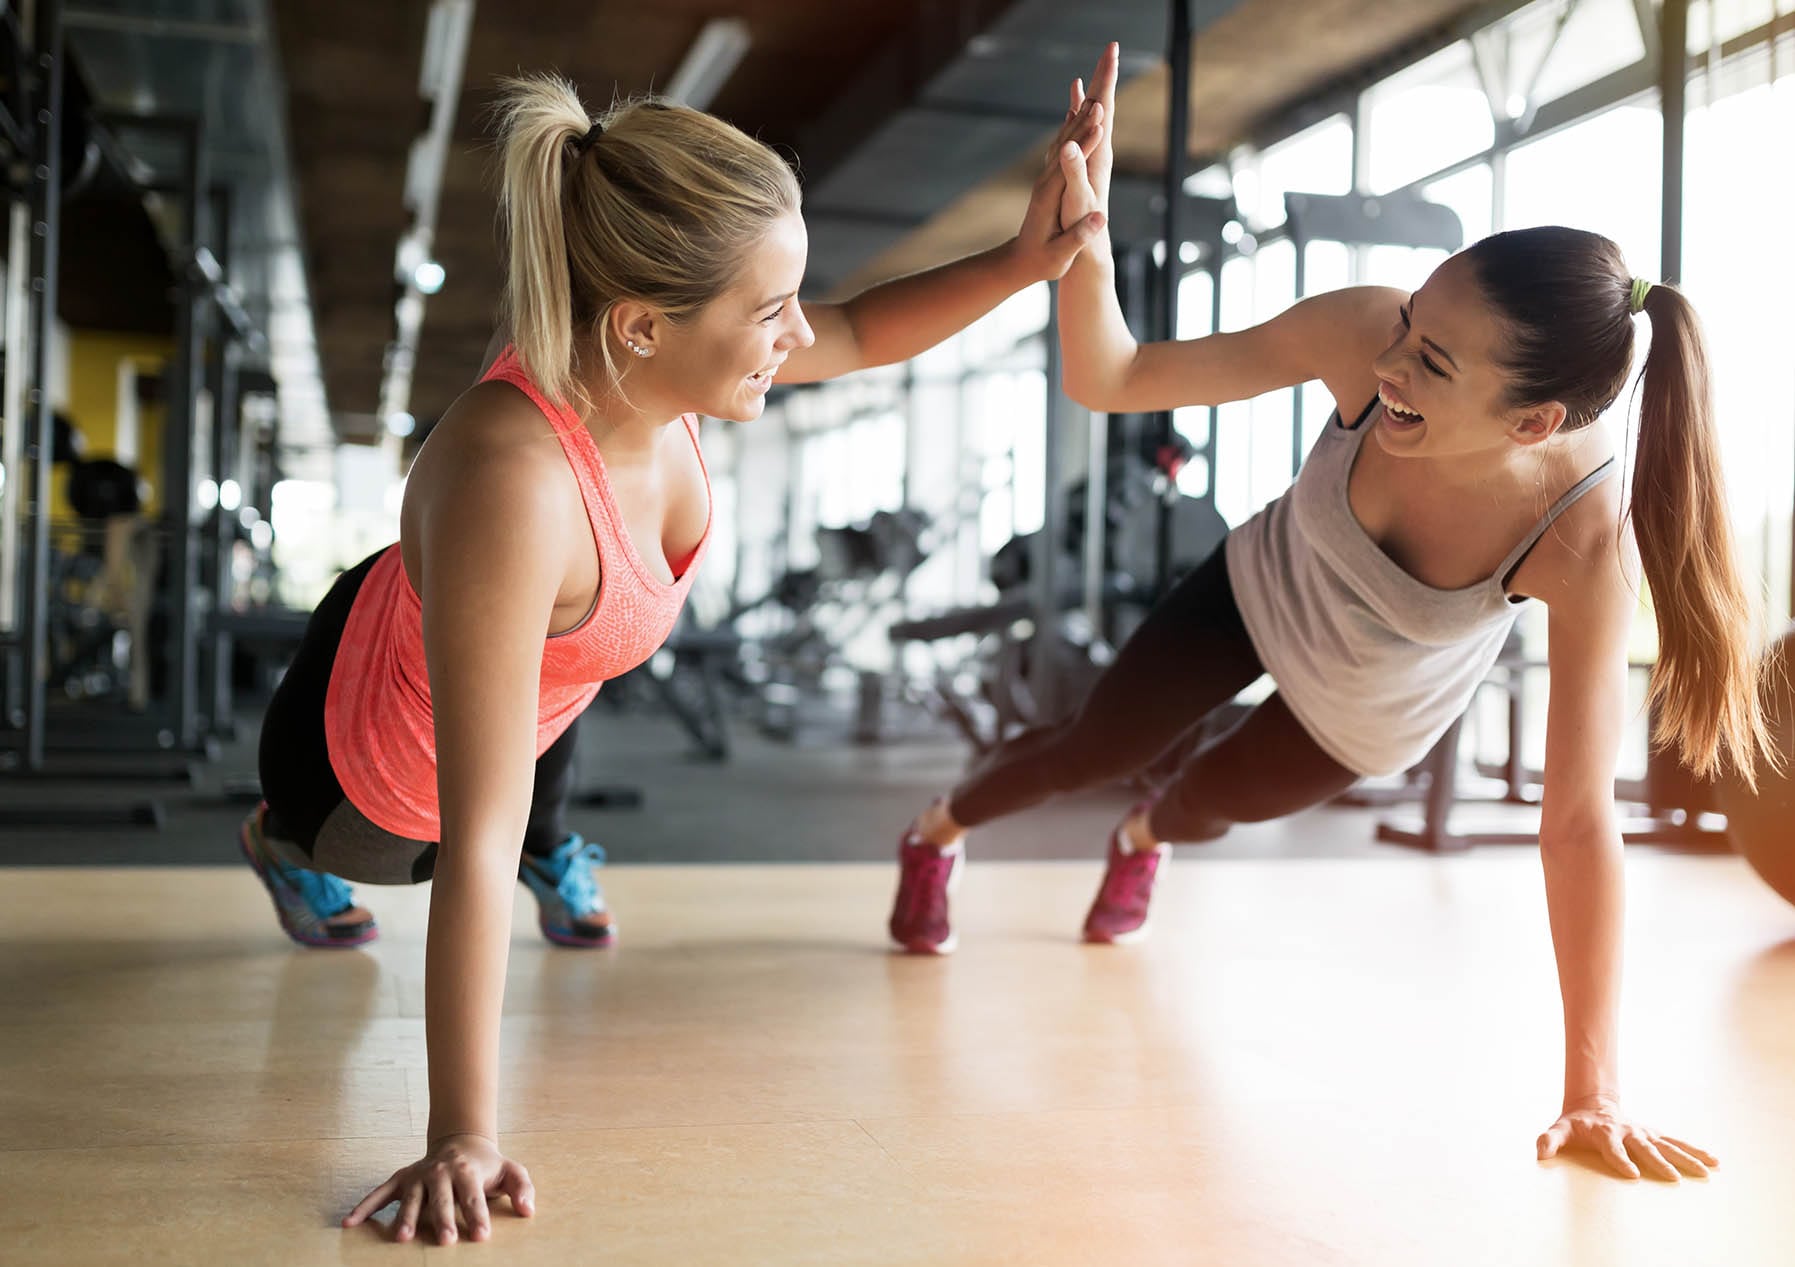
302	790
1189	656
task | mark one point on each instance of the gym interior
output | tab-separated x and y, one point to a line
253	260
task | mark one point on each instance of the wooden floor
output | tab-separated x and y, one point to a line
1312	1062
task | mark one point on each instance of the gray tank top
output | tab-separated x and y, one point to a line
1373	663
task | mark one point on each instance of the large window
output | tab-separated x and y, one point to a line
1317	160
1739	269
1554	48
1425	118
1471	195
1602	174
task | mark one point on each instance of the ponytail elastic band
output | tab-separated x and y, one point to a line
592	134
1636	297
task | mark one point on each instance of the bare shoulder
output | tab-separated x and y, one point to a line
491	465
1586	560
492	433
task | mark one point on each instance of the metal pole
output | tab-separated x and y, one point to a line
1673	64
1296	393
1177	156
1045	663
215	560
46	217
1211	445
12	462
191	311
1096	517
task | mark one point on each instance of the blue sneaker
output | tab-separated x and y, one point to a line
315	907
570	907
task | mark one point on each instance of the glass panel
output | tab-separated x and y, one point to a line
1327	266
1317	160
1274	280
1426	117
1196	303
1213	181
1717	21
1404	267
1601	174
1469	195
1196	298
1732	272
1017	317
1600	37
1233	425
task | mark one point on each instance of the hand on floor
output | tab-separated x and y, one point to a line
459	1174
1598	1126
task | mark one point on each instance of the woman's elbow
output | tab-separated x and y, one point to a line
1569	832
1090	393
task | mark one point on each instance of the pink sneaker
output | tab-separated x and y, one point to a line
926	876
1119	915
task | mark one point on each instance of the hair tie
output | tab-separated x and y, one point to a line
585	142
1636	296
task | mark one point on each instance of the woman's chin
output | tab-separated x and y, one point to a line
738	410
1402	438
745	406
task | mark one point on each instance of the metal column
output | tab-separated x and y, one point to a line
46	217
1673	68
1177	156
184	378
215	561
1297	450
1045	664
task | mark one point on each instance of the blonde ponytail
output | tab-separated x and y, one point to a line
540	115
663	206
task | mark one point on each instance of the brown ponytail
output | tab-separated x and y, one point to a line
1564	297
1705	686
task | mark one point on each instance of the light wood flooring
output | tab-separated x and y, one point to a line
1312	1062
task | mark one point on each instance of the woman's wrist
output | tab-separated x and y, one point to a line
1013	265
1576	1098
436	1139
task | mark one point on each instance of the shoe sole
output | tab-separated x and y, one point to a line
951	942
562	937
312	943
1120	939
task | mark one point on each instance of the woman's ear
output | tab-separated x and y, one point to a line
1537	422
634	327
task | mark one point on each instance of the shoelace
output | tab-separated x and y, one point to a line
1128	881
577	887
326	894
930	876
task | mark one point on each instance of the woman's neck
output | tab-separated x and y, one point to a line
1519	468
624	426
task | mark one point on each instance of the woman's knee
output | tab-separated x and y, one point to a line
352	847
1183	815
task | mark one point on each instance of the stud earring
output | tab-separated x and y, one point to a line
637	348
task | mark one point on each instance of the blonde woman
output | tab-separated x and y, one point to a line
550	530
1461	476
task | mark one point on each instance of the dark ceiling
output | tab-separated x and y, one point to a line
352	71
823	79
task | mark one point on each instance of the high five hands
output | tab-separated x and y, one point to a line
1049	241
1084	171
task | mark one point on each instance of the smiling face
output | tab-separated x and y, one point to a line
722	361
1444	392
